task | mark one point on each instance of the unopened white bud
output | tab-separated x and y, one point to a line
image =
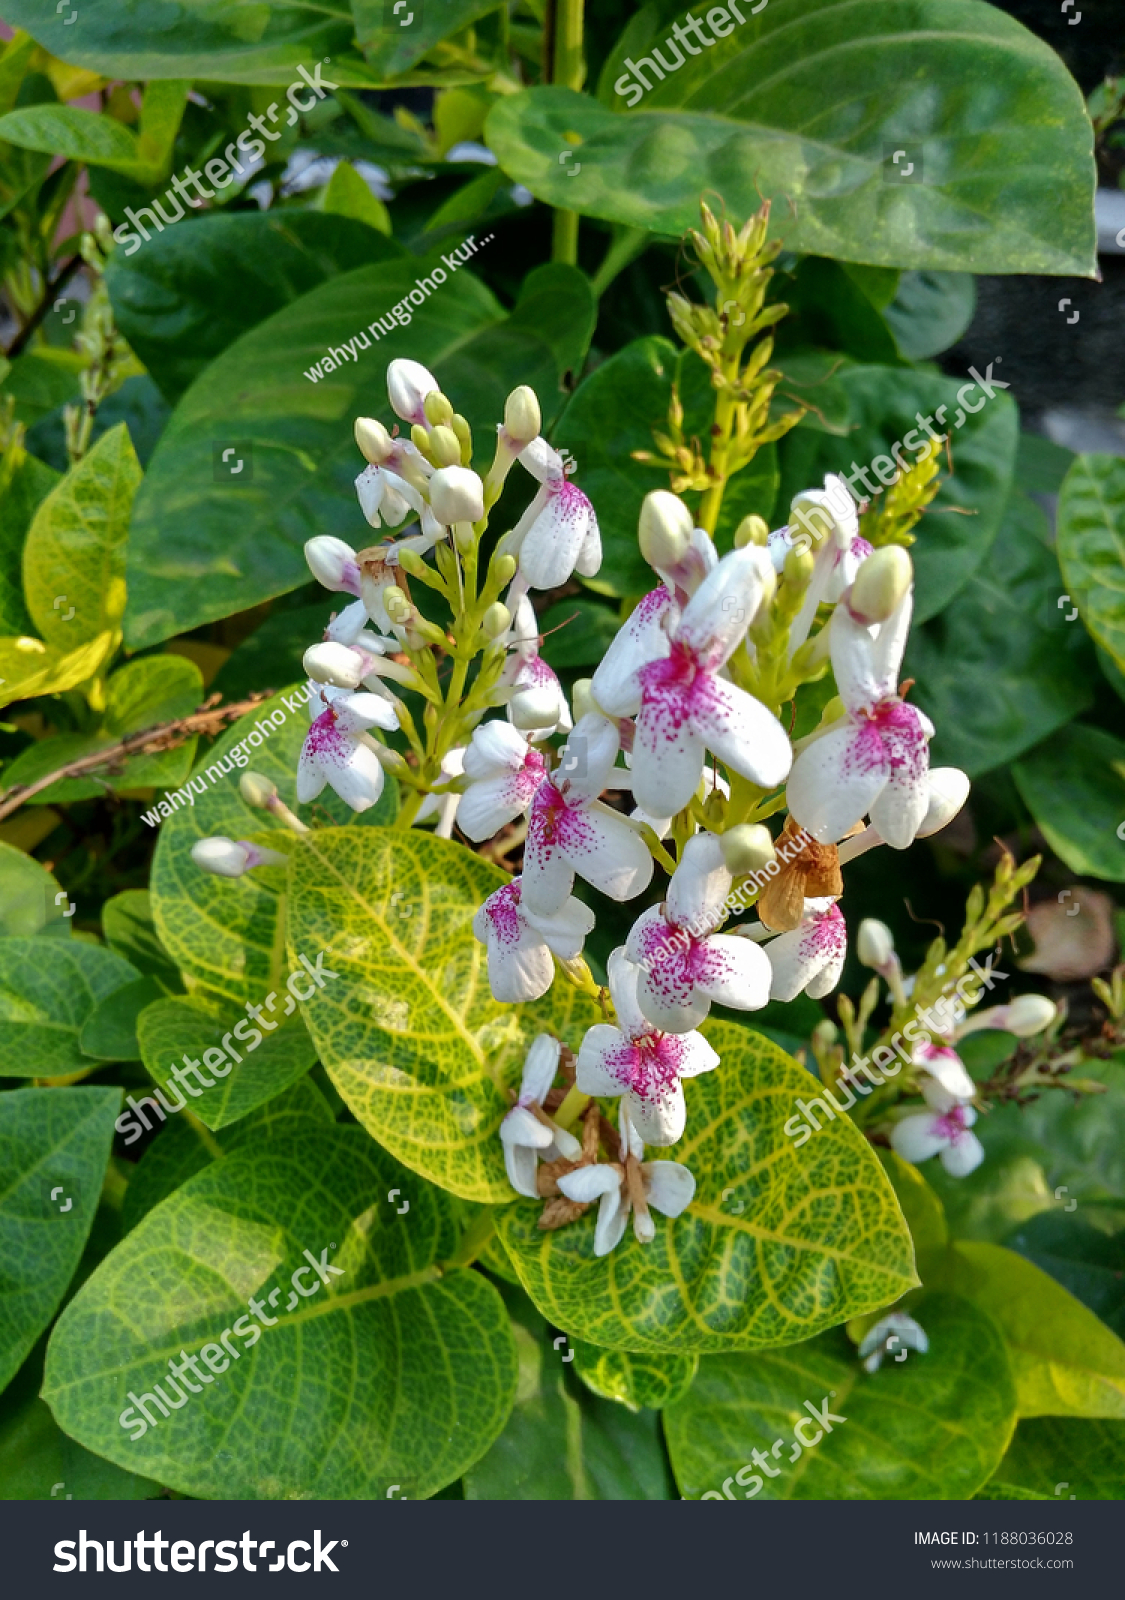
408	384
535	708
456	495
751	530
1028	1014
880	584
228	858
256	790
497	620
337	664
333	563
665	529
949	789
522	417
875	943
373	439
747	848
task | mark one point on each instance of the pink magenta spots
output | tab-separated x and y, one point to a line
570	504
951	1126
904	739
502	910
555	825
648	1067
825	938
325	741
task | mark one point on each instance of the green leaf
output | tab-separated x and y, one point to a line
42	380
633	1379
1085	1253
1001	632
201	548
75	552
238	1073
562	1443
585	631
39	1462
411	1035
347	195
50	1140
181	299
922	1209
803	103
87	136
128	928
1091	545
44	1003
820	1237
930	311
932	1428
259	43
391	50
1066	1362
1061	1457
227	933
410	1363
612	414
138	695
183	1149
28	903
24	481
954	536
1074	787
110	1031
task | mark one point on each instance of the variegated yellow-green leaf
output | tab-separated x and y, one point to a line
396	1371
819	1236
1091	546
633	1378
1086	1458
45	1000
410	1033
932	1427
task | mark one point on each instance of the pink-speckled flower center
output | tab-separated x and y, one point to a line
649	1066
951	1125
503	913
825	936
324	737
547	811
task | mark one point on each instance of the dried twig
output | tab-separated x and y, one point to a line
209	719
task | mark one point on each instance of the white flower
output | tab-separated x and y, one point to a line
639	1063
1024	1016
408	384
344	666
811	956
527	1132
504	771
948	789
828	518
666	1185
385	497
444	805
942	1131
537	703
519	943
876	758
334	751
945	1067
897	1328
685	706
456	495
230	858
684	965
570	831
558	533
333	563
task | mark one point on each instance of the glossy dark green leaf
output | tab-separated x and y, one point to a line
577	633
820	1237
885	404
805	103
128	928
188	293
1084	1251
398	1373
46	1000
202	546
393	44
1091	544
931	1428
110	1031
1074	787
1063	1459
54	1146
930	311
24	483
31	900
561	1442
1001	632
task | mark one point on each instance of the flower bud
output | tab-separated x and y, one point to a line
751	530
798	568
256	790
397	606
535	708
880	584
949	789
457	495
461	428
438	410
226	858
408	384
875	945
497	620
523	420
411	562
333	563
420	438
665	529
1028	1014
504	569
823	1036
445	447
747	848
582	698
373	439
337	664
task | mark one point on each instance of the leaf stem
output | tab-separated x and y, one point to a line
569	69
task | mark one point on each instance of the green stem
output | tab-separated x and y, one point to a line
568	69
473	1240
625	246
712	501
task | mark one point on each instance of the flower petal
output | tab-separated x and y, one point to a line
669	1186
551	546
659	1121
587	1184
613	1214
488	805
698	890
741	732
521	1127
521	1164
963	1156
539	1068
668	754
623	978
917	1138
733	972
718	614
836	779
565	931
496	747
600	1047
615	685
604	850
